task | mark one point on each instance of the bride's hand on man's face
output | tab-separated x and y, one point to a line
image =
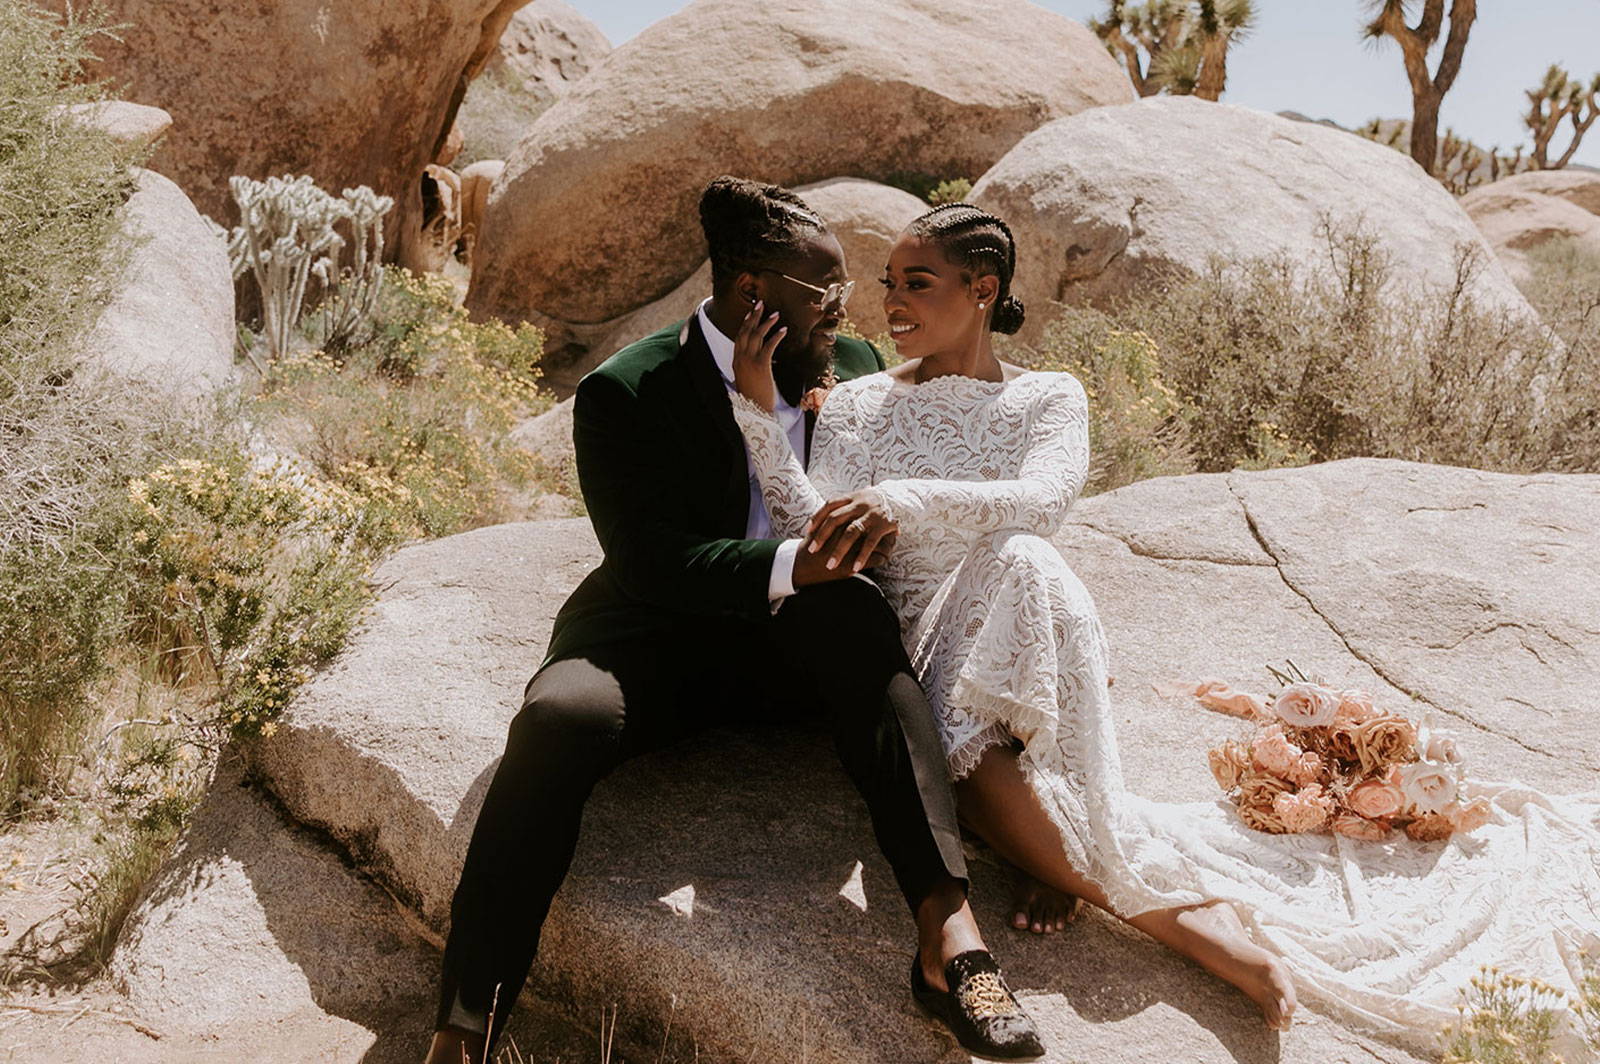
759	336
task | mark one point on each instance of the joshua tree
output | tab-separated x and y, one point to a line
1558	97
1427	90
1175	46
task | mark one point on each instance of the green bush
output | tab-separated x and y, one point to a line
65	444
416	423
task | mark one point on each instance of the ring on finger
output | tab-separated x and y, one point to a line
858	526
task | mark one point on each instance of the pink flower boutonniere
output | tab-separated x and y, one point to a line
814	398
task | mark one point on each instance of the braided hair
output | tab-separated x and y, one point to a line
976	240
748	225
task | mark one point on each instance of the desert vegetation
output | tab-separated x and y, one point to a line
1262	364
171	571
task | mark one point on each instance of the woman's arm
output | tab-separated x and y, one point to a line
1054	465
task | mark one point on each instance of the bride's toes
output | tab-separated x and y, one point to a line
1040	909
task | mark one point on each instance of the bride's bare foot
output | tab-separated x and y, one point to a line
1217	942
1038	908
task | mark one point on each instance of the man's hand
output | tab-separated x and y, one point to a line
847	535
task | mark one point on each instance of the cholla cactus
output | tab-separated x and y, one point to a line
286	236
1559	96
353	292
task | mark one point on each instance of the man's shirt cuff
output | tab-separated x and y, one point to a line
781	584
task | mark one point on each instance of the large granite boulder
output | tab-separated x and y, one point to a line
121	120
596	213
359	93
170	319
547	46
732	885
866	217
1110	201
1519	213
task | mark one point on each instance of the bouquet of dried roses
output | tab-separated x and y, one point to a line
1329	760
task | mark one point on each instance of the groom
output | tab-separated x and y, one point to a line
697	617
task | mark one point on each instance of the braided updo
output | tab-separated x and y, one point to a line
976	240
748	224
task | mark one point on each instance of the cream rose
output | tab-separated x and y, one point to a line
1429	786
1441	747
1306	705
1470	817
1374	799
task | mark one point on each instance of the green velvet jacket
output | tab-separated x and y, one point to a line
663	471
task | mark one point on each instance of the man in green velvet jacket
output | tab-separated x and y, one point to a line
699	616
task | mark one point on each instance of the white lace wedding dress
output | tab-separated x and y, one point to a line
1006	642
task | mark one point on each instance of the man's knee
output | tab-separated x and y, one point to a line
845	609
569	707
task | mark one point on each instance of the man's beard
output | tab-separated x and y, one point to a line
798	371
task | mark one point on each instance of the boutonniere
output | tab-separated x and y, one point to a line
814	398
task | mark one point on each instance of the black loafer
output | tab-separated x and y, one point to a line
979	1008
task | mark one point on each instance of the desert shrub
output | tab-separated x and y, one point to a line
1565	289
1267	363
66	444
246	577
1135	425
931	187
1506	1019
416	423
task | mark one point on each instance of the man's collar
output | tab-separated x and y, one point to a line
721	347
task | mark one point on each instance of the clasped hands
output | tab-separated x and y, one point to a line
850	533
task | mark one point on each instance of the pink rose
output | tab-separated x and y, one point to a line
1374	799
1429	786
1229	762
1306	705
1306	810
1355	707
1274	753
1355	827
1308	768
1471	816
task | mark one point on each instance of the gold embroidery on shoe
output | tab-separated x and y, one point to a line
985	997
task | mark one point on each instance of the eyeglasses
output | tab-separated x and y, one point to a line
837	292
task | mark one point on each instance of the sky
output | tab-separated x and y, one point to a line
1308	56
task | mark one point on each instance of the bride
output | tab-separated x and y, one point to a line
977	462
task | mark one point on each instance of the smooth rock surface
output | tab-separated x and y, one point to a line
123	120
257	941
547	46
1107	202
170	321
596	214
866	217
1467	593
1517	214
548	436
359	93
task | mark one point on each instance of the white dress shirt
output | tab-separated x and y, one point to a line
793	421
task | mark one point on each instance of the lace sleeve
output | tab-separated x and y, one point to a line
839	464
1054	465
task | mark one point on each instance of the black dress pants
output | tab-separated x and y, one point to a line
832	650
